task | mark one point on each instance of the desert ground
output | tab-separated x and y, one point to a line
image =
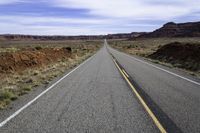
181	53
25	65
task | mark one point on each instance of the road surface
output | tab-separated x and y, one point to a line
96	98
174	99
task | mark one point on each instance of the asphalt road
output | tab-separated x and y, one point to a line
173	99
94	98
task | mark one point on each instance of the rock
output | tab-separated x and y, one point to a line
171	29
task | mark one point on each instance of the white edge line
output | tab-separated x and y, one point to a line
197	83
41	94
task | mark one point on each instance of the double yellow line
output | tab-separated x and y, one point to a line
155	120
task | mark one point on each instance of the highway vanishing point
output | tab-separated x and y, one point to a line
111	92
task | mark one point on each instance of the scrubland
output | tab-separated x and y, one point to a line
27	65
180	53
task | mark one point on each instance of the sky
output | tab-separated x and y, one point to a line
92	17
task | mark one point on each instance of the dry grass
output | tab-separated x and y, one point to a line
29	43
12	49
16	84
145	47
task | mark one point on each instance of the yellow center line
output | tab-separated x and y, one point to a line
155	120
125	73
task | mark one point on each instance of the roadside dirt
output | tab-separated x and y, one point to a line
29	65
28	58
183	55
179	53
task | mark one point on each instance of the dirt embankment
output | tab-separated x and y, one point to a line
183	55
28	58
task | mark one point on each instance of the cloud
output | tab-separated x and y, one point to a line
11	28
153	9
67	26
52	25
46	30
28	20
4	2
75	17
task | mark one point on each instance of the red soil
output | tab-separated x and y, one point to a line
28	58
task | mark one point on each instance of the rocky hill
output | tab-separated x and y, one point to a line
171	29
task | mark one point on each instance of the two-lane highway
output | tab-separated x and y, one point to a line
94	98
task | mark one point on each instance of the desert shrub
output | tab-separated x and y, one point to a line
7	95
38	47
27	88
129	46
68	49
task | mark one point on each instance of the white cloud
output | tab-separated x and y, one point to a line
44	30
52	25
153	9
28	20
111	16
65	26
4	2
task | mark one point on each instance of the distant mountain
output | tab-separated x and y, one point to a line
34	37
124	35
82	37
171	29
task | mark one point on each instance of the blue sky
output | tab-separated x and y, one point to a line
84	17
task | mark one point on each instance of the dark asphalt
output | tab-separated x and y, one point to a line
95	98
175	101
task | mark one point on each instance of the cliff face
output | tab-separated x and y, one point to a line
191	29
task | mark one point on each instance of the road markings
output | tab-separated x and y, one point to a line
192	81
41	94
155	120
125	73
